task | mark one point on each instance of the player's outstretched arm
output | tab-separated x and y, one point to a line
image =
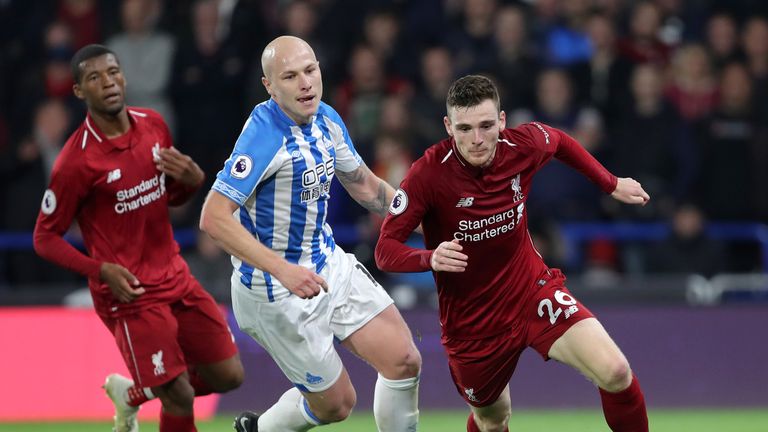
630	191
367	189
216	220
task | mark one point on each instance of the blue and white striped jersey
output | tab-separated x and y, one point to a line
280	174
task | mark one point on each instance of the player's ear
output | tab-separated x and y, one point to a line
503	119
267	85
78	91
447	123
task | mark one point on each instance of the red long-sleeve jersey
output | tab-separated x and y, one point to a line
485	210
120	200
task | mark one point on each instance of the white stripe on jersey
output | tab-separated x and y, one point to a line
346	159
88	125
325	248
282	200
533	244
133	354
310	218
447	156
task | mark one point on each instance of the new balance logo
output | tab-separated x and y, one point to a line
113	175
465	202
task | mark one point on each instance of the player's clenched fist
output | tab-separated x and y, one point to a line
123	284
630	191
301	281
448	257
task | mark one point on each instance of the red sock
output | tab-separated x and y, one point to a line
136	396
472	426
172	423
625	411
200	386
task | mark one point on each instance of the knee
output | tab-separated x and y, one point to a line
229	379
493	423
616	377
339	410
412	363
408	365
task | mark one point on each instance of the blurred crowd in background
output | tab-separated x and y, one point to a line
673	93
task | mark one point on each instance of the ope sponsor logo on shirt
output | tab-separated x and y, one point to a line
312	186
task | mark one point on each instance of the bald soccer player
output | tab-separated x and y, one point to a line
293	289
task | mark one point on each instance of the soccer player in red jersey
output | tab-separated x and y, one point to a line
496	294
116	175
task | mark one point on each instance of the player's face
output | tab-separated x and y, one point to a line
296	84
102	85
476	130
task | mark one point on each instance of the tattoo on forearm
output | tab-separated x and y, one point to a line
357	180
378	204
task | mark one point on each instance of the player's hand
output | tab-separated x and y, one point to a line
179	166
123	284
448	257
301	281
629	190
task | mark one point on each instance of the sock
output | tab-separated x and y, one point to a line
200	386
472	426
290	413
172	423
396	404
625	411
138	395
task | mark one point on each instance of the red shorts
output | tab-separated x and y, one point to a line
482	368
158	343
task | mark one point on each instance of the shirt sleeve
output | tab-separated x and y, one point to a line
574	155
406	212
545	142
347	157
251	160
66	192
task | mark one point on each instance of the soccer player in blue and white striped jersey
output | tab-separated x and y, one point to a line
293	289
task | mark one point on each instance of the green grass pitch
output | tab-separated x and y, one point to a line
703	420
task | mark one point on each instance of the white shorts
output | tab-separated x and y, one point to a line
299	333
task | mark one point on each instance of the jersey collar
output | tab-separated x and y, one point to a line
119	143
283	118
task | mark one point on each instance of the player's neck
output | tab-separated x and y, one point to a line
112	126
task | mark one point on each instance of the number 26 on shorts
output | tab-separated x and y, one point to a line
563	299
